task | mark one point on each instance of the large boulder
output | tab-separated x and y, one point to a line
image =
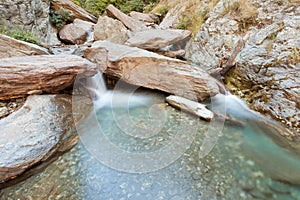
76	11
21	76
156	39
40	130
111	30
76	32
32	16
266	67
147	69
10	47
129	22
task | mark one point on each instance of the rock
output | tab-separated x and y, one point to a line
48	73
147	69
76	11
77	32
171	20
171	54
266	72
216	38
192	107
129	22
32	16
150	18
156	39
43	127
111	30
3	111
10	47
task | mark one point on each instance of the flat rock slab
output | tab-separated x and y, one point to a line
42	127
192	107
129	22
10	47
76	10
20	76
150	18
144	68
156	39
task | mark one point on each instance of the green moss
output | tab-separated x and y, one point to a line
60	17
20	34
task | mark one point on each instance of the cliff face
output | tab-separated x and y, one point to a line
32	16
258	42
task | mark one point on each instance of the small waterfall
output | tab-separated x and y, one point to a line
104	98
262	139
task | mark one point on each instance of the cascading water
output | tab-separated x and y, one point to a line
262	139
104	98
243	163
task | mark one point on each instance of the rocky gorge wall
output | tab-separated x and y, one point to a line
259	42
32	16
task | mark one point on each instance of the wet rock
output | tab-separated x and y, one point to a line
42	127
76	11
77	32
150	18
147	69
129	22
156	39
48	73
192	107
10	47
32	16
111	30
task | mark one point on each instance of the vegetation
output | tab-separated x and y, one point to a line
243	11
19	34
97	7
193	14
60	17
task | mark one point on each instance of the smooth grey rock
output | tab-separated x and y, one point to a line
156	39
31	135
192	107
111	30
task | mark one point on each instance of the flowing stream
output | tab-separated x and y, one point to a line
134	146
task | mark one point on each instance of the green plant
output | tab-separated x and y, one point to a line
149	7
97	7
162	10
20	34
60	17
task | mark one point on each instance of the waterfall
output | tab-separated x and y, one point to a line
104	98
262	139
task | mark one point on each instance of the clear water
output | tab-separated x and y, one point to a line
241	165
